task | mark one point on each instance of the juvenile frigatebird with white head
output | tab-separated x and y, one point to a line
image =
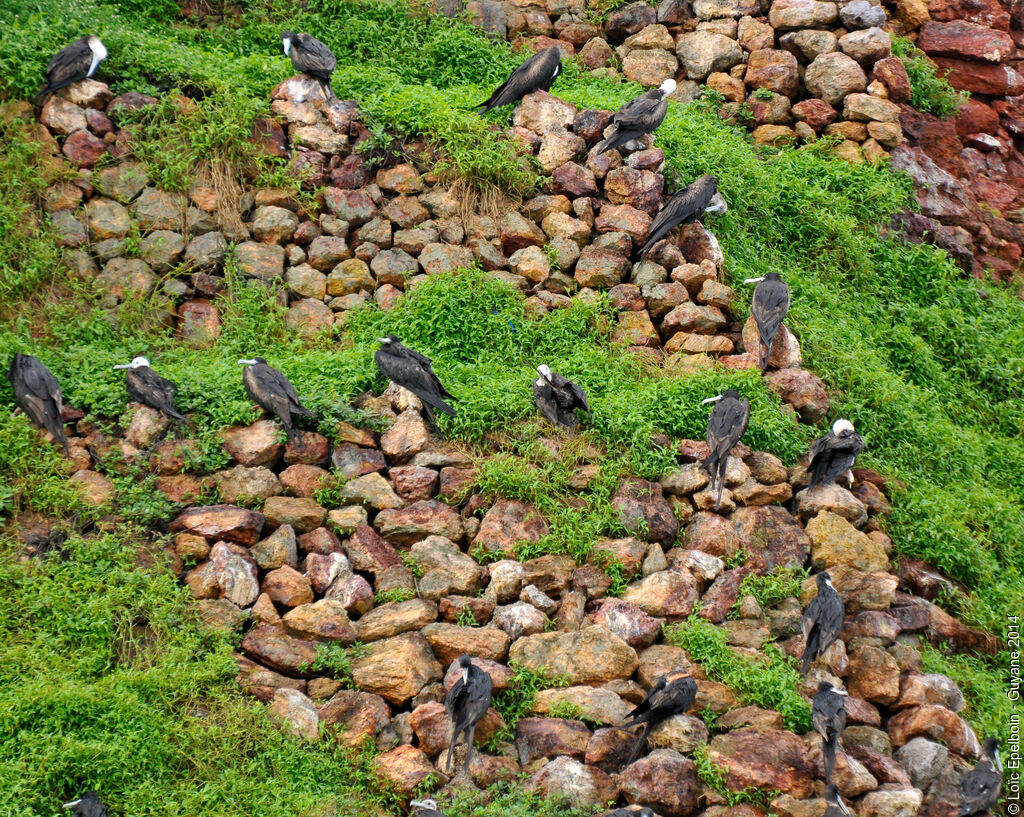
427	807
88	805
637	118
726	425
38	394
271	390
834	805
311	57
147	387
979	788
664	700
535	74
834	454
409	369
822	621
559	399
769	308
685	207
71	64
828	714
466	704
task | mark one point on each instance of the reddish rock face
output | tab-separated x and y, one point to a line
221	522
641	505
787	768
936	723
966	41
271	645
550	738
982	78
664	781
507	523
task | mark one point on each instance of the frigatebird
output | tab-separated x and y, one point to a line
427	807
535	74
834	454
769	307
38	394
637	118
312	57
979	788
625	812
834	805
558	398
88	805
73	63
409	369
466	704
685	207
147	387
822	621
726	425
828	714
271	390
665	699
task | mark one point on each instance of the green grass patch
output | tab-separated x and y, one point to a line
714	776
984	684
929	91
515	702
769	589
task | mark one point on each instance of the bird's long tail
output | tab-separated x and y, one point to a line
722	465
469	745
451	748
177	415
810	652
640	744
294	435
607	144
766	352
829	750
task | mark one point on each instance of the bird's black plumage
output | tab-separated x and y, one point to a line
409	369
726	425
271	390
979	788
88	805
769	308
686	206
73	63
628	812
834	454
663	700
312	57
147	387
38	394
834	805
822	621
558	398
828	714
534	74
638	117
466	704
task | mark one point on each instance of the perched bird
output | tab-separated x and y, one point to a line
147	387
535	74
726	425
88	805
637	118
685	207
665	699
769	308
72	63
38	394
312	57
427	807
834	805
822	621
409	369
834	454
625	812
828	714
466	703
979	788
558	398
271	390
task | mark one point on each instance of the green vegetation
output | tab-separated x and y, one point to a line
714	776
984	685
335	660
929	91
398	594
516	700
566	710
771	683
506	799
770	589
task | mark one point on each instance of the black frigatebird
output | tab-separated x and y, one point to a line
834	454
726	425
409	369
88	805
312	57
625	812
685	207
665	699
38	394
979	788
558	398
271	390
834	805
828	714
466	703
822	621
147	387
535	74
637	118
769	307
73	63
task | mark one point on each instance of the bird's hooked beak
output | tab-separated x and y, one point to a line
385	341
72	804
842	692
544	372
717	204
465	676
287	46
417	803
123	366
753	280
244	362
842	805
711	400
998	762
